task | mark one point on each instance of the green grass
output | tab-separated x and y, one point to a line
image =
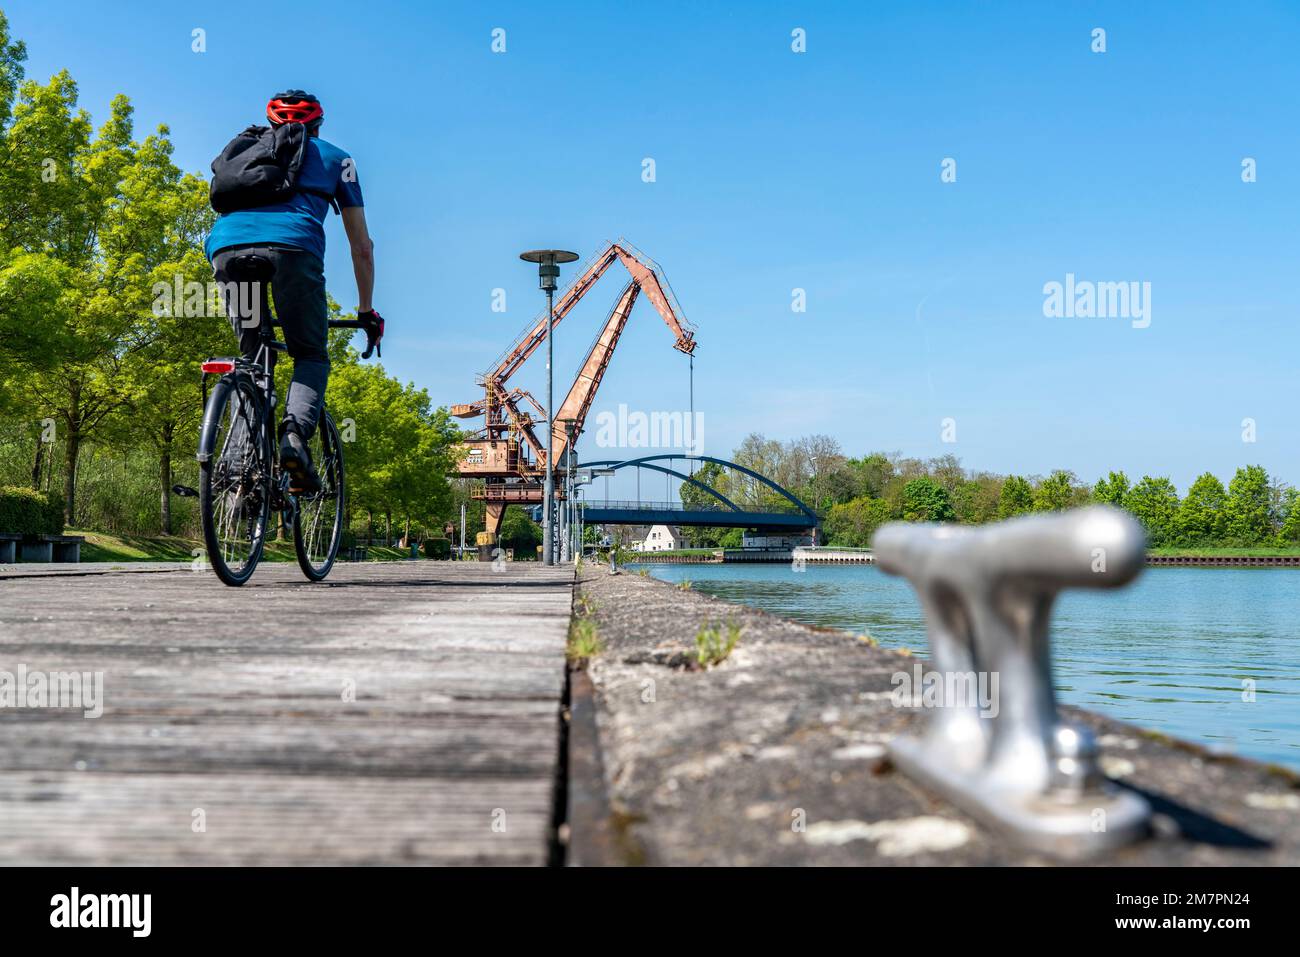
108	547
714	642
105	547
633	557
1216	552
584	641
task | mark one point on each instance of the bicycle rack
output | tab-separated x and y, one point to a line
987	595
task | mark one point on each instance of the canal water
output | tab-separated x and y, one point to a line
1175	651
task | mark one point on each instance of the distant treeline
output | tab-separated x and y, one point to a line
855	496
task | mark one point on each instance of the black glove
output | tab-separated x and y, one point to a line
373	323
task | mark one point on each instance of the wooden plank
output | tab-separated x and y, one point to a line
398	713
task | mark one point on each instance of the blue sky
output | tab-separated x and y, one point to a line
819	170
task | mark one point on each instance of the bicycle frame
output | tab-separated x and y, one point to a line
261	372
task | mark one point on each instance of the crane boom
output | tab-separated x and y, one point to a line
576	404
649	278
499	454
645	276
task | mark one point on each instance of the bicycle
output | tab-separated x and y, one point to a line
241	483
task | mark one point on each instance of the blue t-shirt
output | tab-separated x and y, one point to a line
300	221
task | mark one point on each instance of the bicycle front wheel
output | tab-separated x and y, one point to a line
318	518
235	481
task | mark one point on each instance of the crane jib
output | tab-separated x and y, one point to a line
499	452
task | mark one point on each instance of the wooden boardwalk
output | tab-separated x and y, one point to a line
401	713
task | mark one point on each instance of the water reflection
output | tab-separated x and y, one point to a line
1174	652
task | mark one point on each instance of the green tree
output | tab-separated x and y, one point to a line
815	472
166	395
1111	490
925	500
1154	503
398	450
732	538
947	471
853	523
1278	509
1201	516
1016	497
93	214
1056	492
693	497
870	474
976	500
520	533
1246	510
1289	532
766	457
84	389
34	305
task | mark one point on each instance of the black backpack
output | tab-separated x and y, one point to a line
260	167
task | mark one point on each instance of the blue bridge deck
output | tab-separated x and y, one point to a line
720	512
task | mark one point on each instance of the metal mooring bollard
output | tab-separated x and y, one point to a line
987	594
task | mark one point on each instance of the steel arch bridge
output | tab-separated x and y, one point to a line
721	513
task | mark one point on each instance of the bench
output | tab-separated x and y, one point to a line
8	547
358	553
50	548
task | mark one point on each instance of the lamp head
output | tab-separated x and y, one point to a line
548	265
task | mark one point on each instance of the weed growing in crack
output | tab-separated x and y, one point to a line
584	641
714	642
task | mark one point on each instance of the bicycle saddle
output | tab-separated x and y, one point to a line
250	267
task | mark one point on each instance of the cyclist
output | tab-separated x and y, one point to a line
291	235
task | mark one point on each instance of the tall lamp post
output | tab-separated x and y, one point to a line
548	274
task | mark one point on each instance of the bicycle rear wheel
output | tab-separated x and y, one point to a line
235	481
318	518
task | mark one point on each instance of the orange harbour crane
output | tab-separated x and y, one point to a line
507	453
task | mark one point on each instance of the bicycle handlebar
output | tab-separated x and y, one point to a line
374	327
372	342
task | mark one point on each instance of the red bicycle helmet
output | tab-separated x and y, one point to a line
295	106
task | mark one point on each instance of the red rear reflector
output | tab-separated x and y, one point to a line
219	366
